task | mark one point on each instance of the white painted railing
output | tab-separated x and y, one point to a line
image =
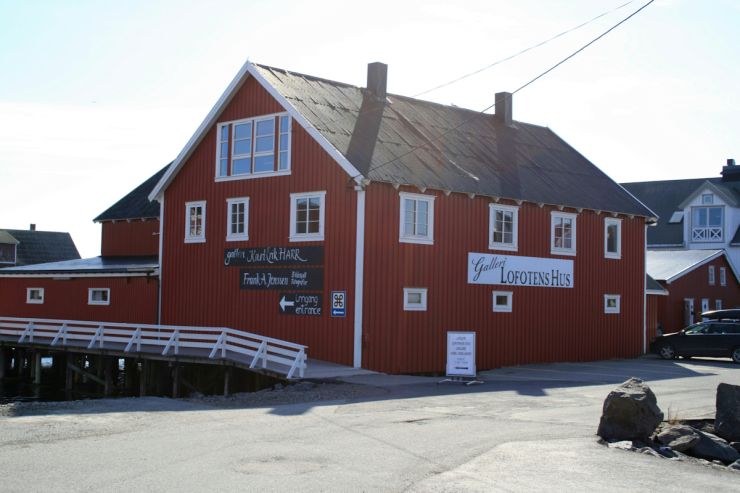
212	342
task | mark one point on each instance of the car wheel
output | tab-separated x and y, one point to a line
666	351
736	355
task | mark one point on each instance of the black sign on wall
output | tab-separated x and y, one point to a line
305	305
268	256
293	279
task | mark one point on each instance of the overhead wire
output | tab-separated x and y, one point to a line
528	83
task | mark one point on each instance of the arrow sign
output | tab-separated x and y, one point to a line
304	305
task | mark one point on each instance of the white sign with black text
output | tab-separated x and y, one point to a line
461	354
512	270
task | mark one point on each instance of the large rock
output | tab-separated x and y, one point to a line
630	412
712	447
727	419
679	437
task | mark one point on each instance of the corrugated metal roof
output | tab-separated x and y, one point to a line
665	265
36	247
95	265
414	142
136	204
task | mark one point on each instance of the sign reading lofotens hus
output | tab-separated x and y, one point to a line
511	270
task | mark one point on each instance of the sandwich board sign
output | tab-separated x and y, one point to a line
461	354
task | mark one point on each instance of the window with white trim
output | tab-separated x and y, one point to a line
98	296
563	233
35	296
611	303
195	222
237	219
417	218
710	273
502	301
717	304
415	299
253	147
722	276
707	199
706	224
503	227
307	216
612	238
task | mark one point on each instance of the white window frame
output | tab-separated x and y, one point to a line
710	274
708	233
91	301
612	221
415	307
276	148
707	199
32	301
717	304
201	238
237	236
722	276
507	308
555	215
612	309
427	239
295	236
500	245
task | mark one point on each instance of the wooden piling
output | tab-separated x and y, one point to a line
175	380
142	378
37	367
227	380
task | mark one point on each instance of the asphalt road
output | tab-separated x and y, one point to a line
528	428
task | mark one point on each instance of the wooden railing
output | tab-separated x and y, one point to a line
211	342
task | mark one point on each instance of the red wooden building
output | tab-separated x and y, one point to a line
367	225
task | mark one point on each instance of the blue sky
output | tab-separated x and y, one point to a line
97	96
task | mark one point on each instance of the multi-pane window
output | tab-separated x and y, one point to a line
35	296
611	303
414	299
253	147
98	296
195	222
237	219
706	224
563	233
722	276
417	218
502	301
710	273
503	227
307	216
612	238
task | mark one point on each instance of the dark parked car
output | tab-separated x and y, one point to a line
731	313
717	338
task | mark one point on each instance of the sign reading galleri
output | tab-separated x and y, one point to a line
512	270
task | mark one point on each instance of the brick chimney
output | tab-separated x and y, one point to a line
33	227
377	79
731	172
503	108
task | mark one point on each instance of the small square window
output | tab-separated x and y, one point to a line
415	299
195	222
563	233
237	219
502	301
707	198
611	303
612	238
35	296
417	219
722	276
98	296
503	227
307	216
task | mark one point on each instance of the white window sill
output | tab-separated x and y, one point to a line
570	253
312	237
503	246
410	308
251	176
611	312
195	240
615	256
417	240
35	302
99	303
237	238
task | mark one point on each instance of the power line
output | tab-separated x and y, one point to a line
446	132
525	50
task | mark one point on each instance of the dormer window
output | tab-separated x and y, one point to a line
707	199
706	224
253	147
7	254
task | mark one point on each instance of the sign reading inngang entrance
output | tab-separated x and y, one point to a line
512	270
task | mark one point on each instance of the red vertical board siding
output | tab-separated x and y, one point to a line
197	288
135	238
132	299
547	324
695	284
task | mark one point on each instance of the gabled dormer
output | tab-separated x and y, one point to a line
706	213
8	249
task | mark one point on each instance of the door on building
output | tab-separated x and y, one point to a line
704	306
688	311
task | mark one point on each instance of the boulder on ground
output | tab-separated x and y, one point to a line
630	412
712	447
727	419
679	437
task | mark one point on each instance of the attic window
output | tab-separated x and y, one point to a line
253	147
7	253
676	218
